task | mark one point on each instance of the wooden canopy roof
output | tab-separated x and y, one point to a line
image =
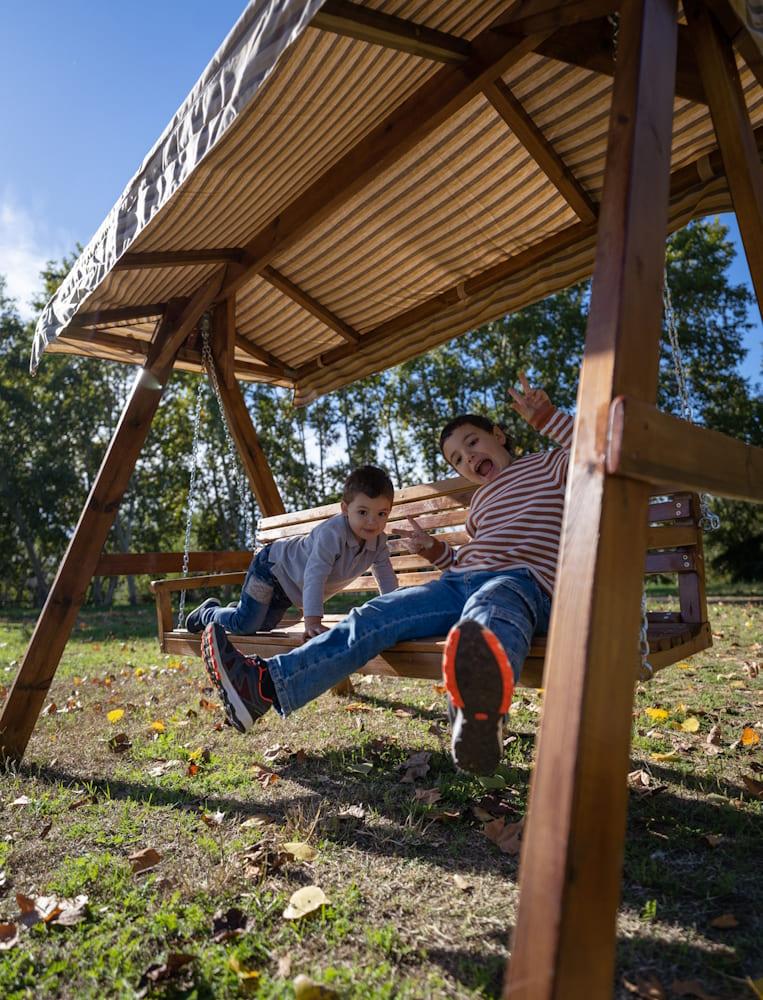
367	180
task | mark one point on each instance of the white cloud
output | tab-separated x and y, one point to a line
26	244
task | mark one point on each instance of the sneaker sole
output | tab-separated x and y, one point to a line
211	653
479	679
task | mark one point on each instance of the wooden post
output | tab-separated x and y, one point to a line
239	421
736	140
38	667
563	945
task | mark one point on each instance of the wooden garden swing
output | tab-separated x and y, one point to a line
364	186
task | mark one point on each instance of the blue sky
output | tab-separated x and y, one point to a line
88	87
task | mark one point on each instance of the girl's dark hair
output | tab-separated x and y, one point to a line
371	481
476	420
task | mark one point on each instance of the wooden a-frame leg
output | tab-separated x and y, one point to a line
736	140
38	666
564	940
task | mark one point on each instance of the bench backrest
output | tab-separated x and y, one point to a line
674	539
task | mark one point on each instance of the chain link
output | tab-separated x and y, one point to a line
239	478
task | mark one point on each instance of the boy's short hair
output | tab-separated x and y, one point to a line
477	420
369	480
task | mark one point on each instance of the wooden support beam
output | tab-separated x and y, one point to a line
738	31
311	305
435	101
367	25
658	448
39	663
590	45
177	258
527	16
224	339
199	302
736	139
252	456
538	146
122	314
563	945
264	356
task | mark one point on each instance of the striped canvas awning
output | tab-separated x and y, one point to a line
366	181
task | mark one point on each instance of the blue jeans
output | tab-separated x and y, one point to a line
511	603
260	607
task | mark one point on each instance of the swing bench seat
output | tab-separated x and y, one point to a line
674	547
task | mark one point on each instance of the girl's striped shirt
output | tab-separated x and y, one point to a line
515	521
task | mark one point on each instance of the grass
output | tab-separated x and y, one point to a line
218	809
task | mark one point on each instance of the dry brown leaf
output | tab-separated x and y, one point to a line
754	788
143	861
306	900
507	836
462	884
178	969
725	921
352	812
213	819
642	783
357	706
445	816
713	839
690	988
714	736
50	709
163	768
284	965
227	924
300	851
404	713
749	737
427	795
9	936
21	801
120	743
646	987
416	766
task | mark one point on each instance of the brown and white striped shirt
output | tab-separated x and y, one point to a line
515	521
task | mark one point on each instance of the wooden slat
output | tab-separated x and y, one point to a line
678	508
563	943
39	663
367	25
196	582
177	258
265	356
655	447
309	304
681	561
541	150
527	16
736	140
139	563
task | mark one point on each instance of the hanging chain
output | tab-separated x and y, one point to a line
614	23
242	490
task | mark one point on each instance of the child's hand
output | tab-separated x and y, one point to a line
531	404
417	540
313	626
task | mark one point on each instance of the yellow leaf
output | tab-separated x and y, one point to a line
738	685
306	988
139	671
158	726
242	973
300	851
670	755
690	725
656	713
749	737
304	901
683	665
115	714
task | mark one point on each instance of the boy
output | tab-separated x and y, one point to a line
307	569
495	595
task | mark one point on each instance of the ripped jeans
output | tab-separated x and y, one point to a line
260	607
509	602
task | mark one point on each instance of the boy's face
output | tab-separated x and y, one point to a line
367	517
476	454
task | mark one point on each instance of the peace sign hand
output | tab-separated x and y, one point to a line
417	540
531	403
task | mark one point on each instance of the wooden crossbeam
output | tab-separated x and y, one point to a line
542	151
590	45
264	356
121	314
311	305
659	448
177	258
739	34
365	24
527	16
140	563
199	302
736	138
435	101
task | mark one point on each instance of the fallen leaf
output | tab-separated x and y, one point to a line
713	839
300	851
115	714
142	861
645	987
177	970
507	836
192	770
256	821
363	767
738	685
158	726
306	900
84	800
690	988
690	725
404	713
227	924
725	921
163	768
247	977
22	800
72	911
714	736
9	936
50	709
656	713
119	743
416	766
754	788
668	755
445	816
427	795
357	706
306	988
462	884
213	819
749	737
352	812
284	965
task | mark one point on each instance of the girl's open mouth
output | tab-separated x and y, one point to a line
484	468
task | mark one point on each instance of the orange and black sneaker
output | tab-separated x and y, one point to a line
240	680
480	683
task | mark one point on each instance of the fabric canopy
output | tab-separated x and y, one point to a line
369	180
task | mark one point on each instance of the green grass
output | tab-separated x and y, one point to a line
396	923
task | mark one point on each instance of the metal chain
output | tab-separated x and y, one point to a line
191	494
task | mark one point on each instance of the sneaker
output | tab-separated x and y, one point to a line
238	678
193	622
479	681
